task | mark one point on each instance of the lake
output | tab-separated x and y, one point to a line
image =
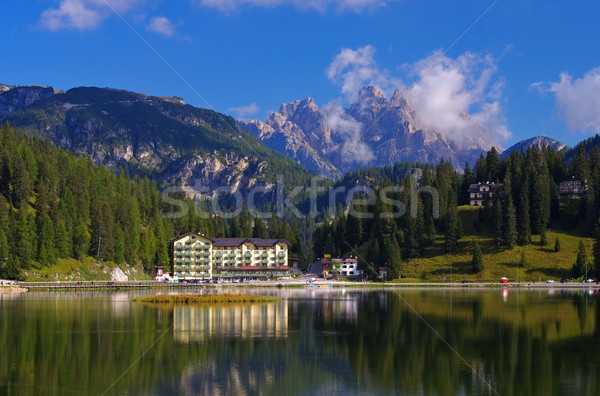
314	342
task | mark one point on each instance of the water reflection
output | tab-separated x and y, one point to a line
193	323
346	342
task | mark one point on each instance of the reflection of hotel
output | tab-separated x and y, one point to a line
256	320
198	257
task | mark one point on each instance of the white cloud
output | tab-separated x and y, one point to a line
319	5
244	111
578	100
353	69
349	129
71	14
83	14
458	97
162	25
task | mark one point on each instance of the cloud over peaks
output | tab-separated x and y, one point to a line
458	97
578	100
350	132
353	69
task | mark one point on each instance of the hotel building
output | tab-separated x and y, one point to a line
195	256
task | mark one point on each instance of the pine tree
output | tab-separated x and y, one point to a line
481	170
392	257
62	239
148	252
493	163
557	245
24	245
119	245
498	221
374	254
524	230
510	224
47	254
354	230
543	237
4	253
452	229
468	179
477	261
81	239
259	230
234	228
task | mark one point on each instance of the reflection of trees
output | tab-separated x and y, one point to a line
56	345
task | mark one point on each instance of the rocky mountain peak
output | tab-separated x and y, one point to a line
371	91
385	131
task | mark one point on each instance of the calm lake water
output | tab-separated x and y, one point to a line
314	342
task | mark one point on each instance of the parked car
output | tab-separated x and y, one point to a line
563	280
550	281
465	281
504	280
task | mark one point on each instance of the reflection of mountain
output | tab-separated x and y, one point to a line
256	320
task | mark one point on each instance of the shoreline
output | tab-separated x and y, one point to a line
111	286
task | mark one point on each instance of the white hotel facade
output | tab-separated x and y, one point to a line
197	257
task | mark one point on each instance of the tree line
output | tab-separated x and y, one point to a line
54	205
525	202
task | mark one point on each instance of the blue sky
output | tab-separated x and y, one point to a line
519	67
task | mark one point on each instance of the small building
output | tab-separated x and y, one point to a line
346	267
572	188
383	273
482	193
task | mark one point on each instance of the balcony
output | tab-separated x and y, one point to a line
281	254
282	261
264	255
248	254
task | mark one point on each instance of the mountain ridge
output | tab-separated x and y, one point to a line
539	141
163	138
372	131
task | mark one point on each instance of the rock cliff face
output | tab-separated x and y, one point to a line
374	131
176	144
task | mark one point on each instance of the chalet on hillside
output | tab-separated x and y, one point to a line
481	193
572	188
